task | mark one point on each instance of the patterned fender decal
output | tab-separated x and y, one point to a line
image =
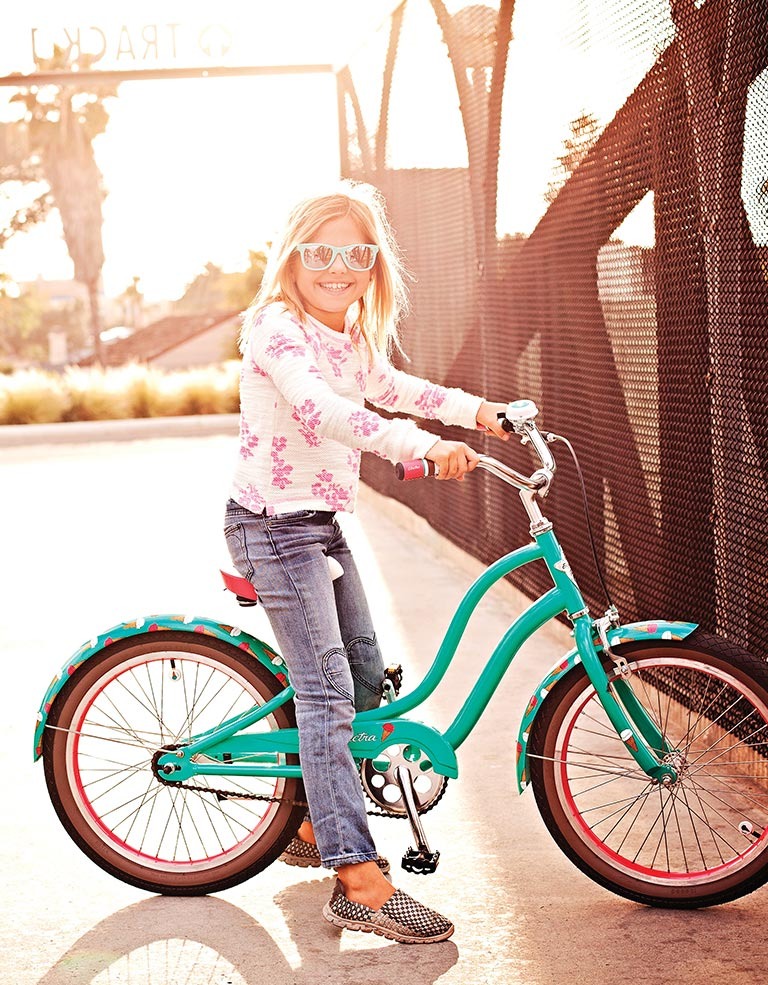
153	624
655	629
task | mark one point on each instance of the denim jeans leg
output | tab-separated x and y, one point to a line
362	648
287	561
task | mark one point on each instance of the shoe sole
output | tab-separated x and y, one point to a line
371	928
302	863
308	863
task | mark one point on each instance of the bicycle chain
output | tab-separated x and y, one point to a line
393	675
235	795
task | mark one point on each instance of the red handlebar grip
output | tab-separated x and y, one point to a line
417	468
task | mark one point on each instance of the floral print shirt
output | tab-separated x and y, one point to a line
303	420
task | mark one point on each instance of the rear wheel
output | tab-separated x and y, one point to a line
704	839
142	695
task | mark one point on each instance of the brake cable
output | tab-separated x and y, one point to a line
550	437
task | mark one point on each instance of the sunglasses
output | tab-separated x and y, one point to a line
320	256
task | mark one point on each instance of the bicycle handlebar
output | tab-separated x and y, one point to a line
416	468
518	418
421	468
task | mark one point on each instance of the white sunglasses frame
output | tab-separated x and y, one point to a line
336	251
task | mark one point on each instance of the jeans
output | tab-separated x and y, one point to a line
324	632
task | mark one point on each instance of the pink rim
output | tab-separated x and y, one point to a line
110	835
672	877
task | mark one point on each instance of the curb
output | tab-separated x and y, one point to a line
88	432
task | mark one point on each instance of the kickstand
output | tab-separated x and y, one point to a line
421	860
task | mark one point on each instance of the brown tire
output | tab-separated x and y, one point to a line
141	695
704	839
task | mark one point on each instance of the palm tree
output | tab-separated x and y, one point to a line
60	123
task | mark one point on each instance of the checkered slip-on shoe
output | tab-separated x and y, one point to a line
401	918
306	855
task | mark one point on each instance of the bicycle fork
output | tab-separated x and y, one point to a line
635	727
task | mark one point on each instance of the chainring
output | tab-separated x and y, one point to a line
380	780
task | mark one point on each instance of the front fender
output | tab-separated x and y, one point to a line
658	630
153	624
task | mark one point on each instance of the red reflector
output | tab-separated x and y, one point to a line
239	586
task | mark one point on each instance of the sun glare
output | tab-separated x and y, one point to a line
201	171
196	170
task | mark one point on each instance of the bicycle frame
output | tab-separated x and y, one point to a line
230	750
263	754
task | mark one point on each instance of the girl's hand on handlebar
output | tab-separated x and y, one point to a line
453	458
487	419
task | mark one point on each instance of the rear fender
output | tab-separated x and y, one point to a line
658	630
154	624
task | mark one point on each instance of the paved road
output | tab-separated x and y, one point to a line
92	533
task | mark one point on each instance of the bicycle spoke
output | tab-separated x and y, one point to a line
144	709
743	795
140	744
637	773
709	818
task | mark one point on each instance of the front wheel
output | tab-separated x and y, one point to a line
107	726
700	841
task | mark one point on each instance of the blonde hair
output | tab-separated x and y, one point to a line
385	300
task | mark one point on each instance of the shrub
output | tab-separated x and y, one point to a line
94	394
32	397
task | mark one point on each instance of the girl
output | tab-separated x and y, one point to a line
315	343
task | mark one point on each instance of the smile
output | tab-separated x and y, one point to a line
335	287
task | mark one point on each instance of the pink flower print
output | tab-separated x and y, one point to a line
257	369
308	418
431	399
311	336
360	378
353	460
336	358
280	468
389	397
356	334
248	440
314	343
280	345
249	497
335	496
364	423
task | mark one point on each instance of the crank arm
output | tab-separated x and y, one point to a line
421	859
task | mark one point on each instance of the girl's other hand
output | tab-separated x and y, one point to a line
488	420
453	458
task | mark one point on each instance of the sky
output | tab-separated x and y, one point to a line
201	171
196	170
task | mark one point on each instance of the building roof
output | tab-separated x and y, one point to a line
160	337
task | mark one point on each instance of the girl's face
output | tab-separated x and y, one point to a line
327	294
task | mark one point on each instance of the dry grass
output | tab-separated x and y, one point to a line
38	397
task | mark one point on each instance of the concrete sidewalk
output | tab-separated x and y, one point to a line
135	429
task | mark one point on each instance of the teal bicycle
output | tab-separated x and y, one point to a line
171	752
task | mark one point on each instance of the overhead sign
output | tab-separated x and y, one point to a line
169	49
136	46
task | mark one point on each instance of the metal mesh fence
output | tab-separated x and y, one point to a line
581	192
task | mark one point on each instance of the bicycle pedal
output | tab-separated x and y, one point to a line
420	862
394	674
